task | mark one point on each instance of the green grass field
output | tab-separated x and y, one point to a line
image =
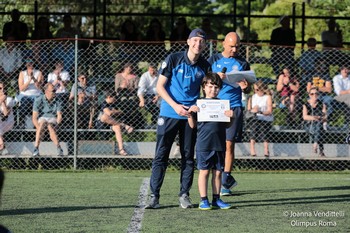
105	202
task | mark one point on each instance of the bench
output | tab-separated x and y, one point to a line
291	142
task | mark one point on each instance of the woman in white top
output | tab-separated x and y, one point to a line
7	119
260	104
60	79
29	82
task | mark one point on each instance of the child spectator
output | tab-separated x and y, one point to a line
210	147
112	116
261	105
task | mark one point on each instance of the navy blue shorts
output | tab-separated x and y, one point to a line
234	132
207	160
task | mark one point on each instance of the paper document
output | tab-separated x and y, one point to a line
213	110
235	76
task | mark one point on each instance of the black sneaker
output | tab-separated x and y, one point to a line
153	203
36	152
59	151
347	139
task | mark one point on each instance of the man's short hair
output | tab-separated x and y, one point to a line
152	65
47	86
343	67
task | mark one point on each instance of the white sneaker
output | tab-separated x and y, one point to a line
185	201
325	126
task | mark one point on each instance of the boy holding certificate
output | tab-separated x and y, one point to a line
210	147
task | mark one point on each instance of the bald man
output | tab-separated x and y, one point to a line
227	61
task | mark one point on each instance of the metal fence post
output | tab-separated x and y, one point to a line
75	143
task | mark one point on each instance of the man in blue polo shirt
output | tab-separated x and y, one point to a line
178	84
227	61
47	114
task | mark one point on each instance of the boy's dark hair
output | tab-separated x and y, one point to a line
110	93
212	78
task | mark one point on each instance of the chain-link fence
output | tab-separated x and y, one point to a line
88	140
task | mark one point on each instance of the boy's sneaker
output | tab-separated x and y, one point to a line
59	151
220	204
36	152
225	192
153	203
204	205
230	182
185	201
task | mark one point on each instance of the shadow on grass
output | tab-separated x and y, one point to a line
334	188
293	201
58	209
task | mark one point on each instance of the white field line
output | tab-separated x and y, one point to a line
136	219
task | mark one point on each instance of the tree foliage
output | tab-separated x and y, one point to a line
116	10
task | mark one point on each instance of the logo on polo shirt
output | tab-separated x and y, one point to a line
164	65
235	68
199	74
160	121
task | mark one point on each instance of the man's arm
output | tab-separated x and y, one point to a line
338	88
141	90
327	87
59	117
179	109
35	116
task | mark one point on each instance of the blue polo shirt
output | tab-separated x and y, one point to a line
46	108
229	92
184	80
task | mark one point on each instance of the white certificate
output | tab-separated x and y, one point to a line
213	110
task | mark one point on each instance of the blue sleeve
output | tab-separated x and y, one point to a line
37	104
167	66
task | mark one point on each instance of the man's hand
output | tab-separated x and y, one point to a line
222	75
142	103
155	99
243	84
182	110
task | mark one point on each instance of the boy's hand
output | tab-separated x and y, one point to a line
229	113
193	108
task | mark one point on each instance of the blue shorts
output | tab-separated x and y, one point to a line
234	132
207	160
